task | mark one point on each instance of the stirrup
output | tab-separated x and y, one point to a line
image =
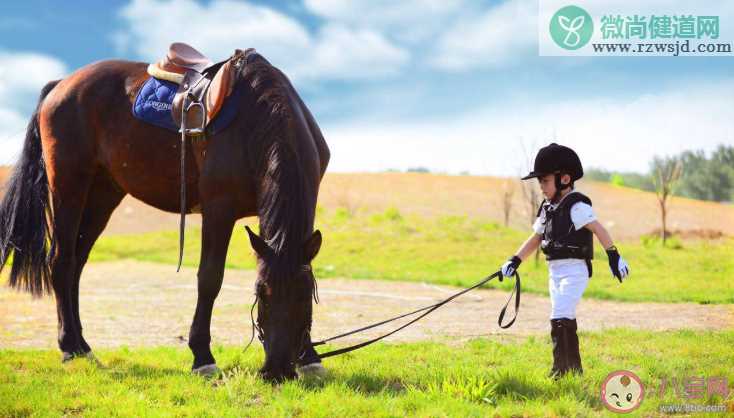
200	130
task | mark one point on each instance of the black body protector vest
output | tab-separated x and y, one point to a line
560	237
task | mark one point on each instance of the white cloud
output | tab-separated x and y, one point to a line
334	52
382	12
11	140
494	38
342	52
22	75
652	6
619	134
408	20
217	28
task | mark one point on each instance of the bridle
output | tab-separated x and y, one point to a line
257	328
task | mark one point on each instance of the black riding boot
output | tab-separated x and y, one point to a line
559	349
573	355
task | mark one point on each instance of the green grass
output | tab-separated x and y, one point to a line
477	378
459	251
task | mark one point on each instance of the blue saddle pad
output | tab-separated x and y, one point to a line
154	104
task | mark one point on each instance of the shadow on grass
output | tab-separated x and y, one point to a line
363	383
518	386
496	386
123	369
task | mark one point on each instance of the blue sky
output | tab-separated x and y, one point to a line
452	85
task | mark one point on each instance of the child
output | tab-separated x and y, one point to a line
563	229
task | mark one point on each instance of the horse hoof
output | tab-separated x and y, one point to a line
207	370
93	359
67	357
312	370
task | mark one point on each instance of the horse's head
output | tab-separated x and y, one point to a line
285	289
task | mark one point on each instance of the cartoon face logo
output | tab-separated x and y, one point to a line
622	391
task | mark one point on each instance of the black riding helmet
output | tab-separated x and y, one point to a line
557	159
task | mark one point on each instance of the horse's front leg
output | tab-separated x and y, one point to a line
218	219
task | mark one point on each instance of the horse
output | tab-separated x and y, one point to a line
84	151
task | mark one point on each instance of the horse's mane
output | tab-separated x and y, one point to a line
285	212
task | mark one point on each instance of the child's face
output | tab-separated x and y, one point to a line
548	184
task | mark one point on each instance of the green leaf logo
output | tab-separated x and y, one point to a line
571	27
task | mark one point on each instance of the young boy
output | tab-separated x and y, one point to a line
563	230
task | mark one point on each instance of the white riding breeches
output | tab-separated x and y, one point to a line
567	281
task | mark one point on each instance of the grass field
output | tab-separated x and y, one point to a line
478	378
383	237
459	251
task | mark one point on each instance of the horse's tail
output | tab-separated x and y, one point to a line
26	216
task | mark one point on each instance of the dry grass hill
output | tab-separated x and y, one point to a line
627	213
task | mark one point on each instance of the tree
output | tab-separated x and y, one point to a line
617	179
702	179
723	158
531	192
666	171
508	191
707	178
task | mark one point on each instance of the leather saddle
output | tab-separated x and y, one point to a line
202	86
202	89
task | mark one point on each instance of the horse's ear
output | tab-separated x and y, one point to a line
258	244
312	246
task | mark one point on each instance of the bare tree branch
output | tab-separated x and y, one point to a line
530	189
666	171
508	192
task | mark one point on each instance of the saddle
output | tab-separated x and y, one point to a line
202	86
201	92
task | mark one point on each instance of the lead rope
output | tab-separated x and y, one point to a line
428	310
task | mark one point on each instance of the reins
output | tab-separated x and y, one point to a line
426	311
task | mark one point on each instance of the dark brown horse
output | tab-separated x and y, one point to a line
84	151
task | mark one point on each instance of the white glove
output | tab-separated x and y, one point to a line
623	267
619	268
510	266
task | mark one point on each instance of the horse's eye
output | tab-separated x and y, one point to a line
263	291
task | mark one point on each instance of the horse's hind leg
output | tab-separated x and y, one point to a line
103	197
69	157
69	192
